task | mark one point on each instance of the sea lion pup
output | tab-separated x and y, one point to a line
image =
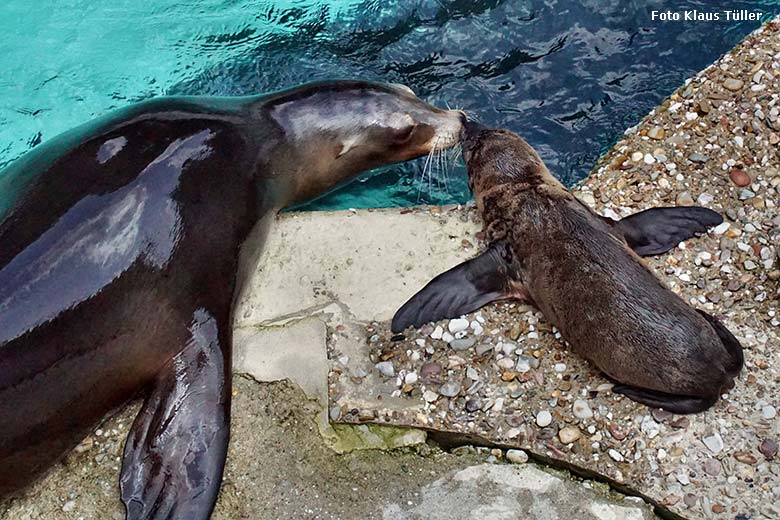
584	273
119	261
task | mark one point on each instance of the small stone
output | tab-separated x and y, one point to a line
450	389
684	199
746	194
733	84
661	415
690	499
637	156
616	432
463	344
615	455
705	199
698	158
656	132
768	448
523	364
430	396
483	348
649	159
457	325
768	411
517	456
386	368
335	413
750	265
714	443
447	337
721	228
410	378
560	367
473	404
569	434
543	419
581	409
430	370
437	332
69	506
712	467
745	457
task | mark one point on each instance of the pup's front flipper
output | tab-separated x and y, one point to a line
657	230
680	404
175	453
464	288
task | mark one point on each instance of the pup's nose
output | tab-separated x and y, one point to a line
473	128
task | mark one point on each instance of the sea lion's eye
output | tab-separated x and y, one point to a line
402	135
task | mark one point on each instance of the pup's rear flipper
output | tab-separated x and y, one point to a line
680	404
464	288
175	452
655	231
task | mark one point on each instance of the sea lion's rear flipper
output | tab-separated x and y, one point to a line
680	404
464	288
657	230
175	452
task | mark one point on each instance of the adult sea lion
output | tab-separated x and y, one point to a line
584	273
120	248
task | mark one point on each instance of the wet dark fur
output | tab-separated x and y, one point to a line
578	270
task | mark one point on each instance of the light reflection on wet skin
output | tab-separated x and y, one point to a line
97	240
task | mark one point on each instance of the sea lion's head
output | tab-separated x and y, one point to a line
333	130
496	157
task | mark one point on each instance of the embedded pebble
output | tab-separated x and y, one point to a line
712	467
569	434
739	177
463	344
615	455
657	132
430	396
543	419
714	443
410	378
450	389
768	448
733	84
472	405
386	368
457	325
69	506
517	456
581	409
768	412
437	332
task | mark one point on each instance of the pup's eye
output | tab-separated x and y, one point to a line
404	134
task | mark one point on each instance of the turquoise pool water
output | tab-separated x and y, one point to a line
568	75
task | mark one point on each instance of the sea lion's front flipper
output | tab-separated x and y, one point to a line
175	453
680	404
655	231
464	288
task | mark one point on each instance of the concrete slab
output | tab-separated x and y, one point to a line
508	492
362	259
277	468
